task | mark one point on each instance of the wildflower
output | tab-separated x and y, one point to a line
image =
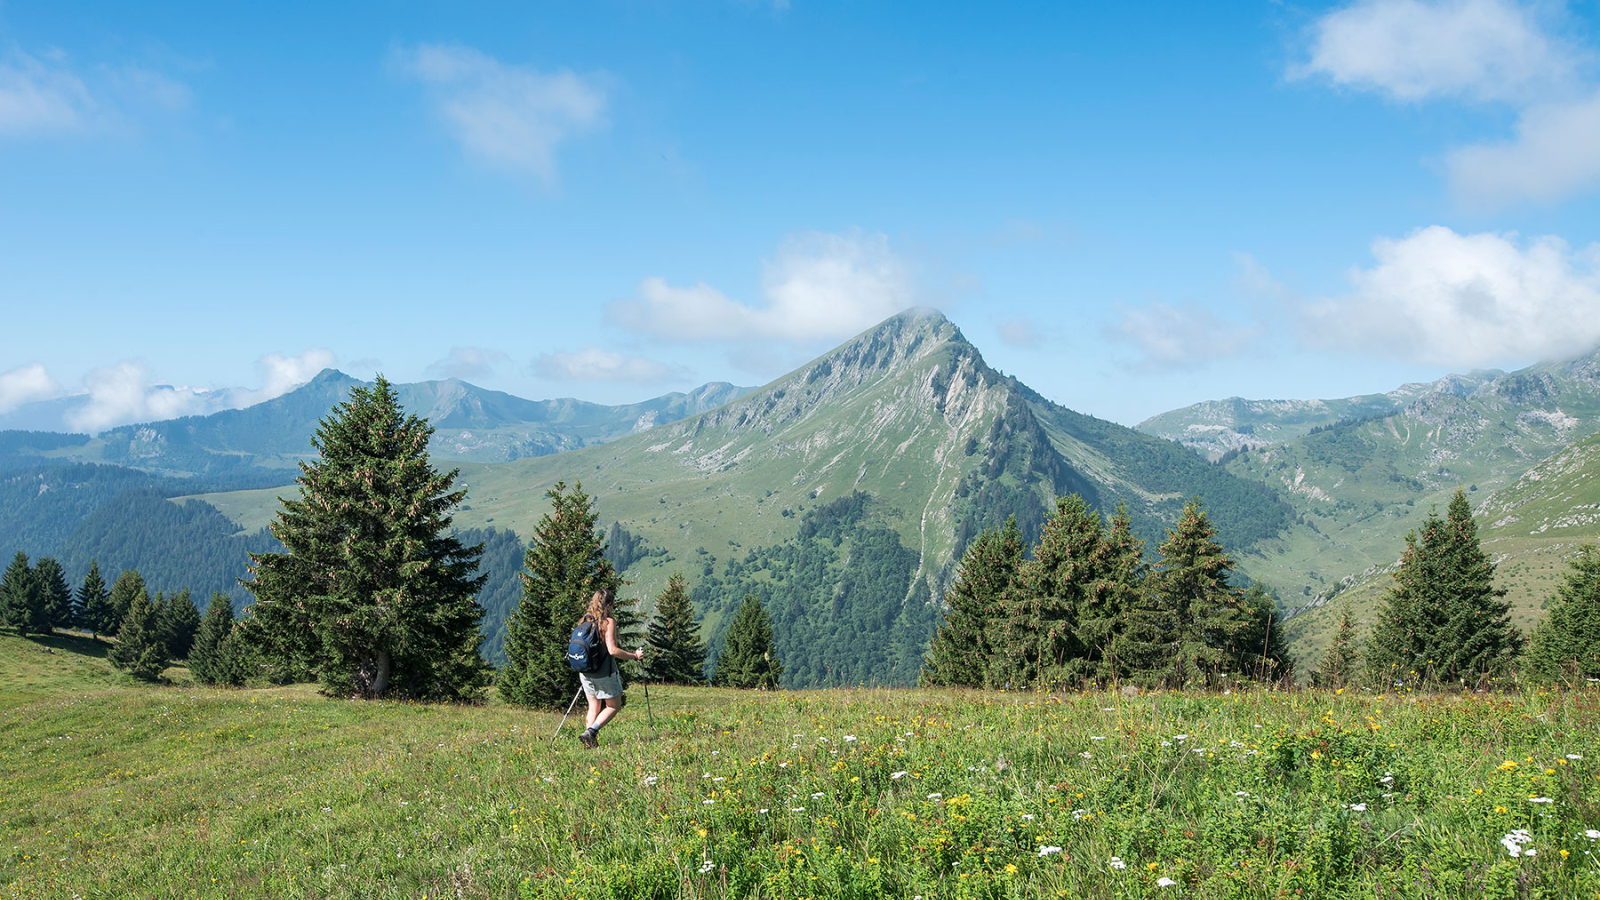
707	866
936	796
797	809
1086	755
1592	835
1180	737
1574	756
1117	864
817	795
849	738
1164	881
1241	793
1046	851
1358	807
708	802
896	776
1516	840
1540	800
1011	868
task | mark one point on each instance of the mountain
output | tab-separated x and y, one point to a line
472	424
1217	427
1358	486
844	492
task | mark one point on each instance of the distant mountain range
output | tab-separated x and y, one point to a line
844	492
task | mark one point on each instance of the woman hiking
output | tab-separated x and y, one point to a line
603	689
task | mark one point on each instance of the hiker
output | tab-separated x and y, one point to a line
603	688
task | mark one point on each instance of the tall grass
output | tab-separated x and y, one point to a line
113	790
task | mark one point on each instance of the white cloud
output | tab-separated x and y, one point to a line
817	286
511	117
1444	298
45	96
468	362
594	364
281	374
1556	152
1179	337
1412	50
26	384
123	393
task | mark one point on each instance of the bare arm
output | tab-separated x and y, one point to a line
611	642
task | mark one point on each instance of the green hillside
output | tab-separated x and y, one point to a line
906	414
116	790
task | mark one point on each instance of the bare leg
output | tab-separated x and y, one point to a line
595	705
607	712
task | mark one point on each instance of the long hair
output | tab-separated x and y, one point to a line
601	605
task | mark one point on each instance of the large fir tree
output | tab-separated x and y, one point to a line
129	584
563	566
1566	645
56	595
180	620
961	649
210	658
676	654
1443	620
1103	624
372	592
140	650
1189	618
22	600
1339	664
1040	634
94	602
749	659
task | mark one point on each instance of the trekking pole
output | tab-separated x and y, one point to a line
647	710
569	711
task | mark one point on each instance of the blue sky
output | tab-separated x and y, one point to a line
1132	207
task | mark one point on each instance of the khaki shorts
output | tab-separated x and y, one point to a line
605	687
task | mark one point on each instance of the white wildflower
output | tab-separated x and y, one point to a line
1117	863
1540	800
896	776
1046	851
1164	881
707	866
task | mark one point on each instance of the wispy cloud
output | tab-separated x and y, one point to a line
817	286
124	392
1457	300
281	374
1178	337
26	384
595	364
45	96
510	117
468	362
1476	51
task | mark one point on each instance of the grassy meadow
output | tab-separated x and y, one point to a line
112	789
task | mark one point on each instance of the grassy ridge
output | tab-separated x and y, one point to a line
112	790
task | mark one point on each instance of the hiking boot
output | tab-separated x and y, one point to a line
589	739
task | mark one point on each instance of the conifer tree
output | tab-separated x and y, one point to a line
748	658
563	566
210	659
128	585
676	654
961	649
1339	664
22	598
1190	611
140	651
94	602
1041	626
1103	625
1259	650
55	594
180	620
372	593
1443	620
1566	645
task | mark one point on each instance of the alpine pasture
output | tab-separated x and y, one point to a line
117	789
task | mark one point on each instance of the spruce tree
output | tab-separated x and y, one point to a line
55	594
128	585
94	602
1259	650
140	650
22	600
563	566
1443	620
180	620
1041	626
372	594
961	650
676	654
1566	645
1191	611
1104	624
1339	664
209	659
748	658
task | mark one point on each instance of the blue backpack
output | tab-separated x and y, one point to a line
586	651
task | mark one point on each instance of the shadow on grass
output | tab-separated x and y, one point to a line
68	642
